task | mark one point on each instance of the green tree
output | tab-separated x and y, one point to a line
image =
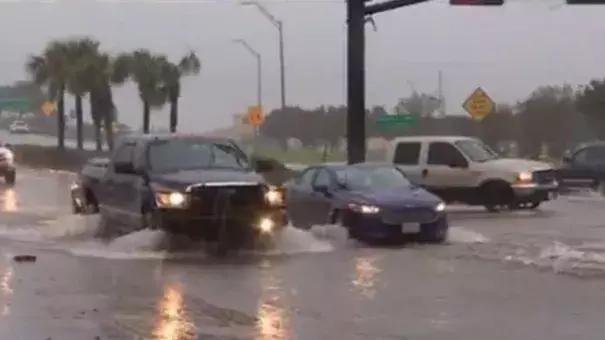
51	69
590	102
171	78
146	70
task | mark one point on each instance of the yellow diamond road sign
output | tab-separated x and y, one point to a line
479	104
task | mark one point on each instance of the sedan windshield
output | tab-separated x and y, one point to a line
360	178
476	151
187	154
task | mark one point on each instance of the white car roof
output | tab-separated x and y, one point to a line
449	139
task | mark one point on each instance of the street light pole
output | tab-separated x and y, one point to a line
259	73
280	29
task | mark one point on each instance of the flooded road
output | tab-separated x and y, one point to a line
513	275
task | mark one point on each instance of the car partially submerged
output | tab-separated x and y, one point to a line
372	201
191	185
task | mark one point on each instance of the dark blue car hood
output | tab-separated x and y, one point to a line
395	197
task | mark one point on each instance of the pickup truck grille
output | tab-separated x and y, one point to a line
544	176
409	215
209	201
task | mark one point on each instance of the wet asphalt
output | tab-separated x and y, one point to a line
513	275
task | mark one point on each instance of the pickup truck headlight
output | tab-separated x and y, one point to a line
9	156
173	199
364	208
274	197
440	207
524	176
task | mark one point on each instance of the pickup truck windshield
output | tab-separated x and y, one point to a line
187	154
371	178
476	150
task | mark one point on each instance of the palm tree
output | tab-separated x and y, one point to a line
103	71
145	69
171	78
80	55
50	69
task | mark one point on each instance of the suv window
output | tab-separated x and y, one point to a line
590	156
323	178
306	178
441	153
124	153
407	153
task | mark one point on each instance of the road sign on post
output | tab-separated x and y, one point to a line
255	116
479	104
385	121
15	104
48	108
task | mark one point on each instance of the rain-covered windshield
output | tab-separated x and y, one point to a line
360	178
476	151
186	154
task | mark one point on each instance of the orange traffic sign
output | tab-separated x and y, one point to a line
48	108
255	115
479	104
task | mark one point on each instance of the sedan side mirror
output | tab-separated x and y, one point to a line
322	189
263	165
126	168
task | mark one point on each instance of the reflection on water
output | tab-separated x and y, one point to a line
9	200
6	288
173	323
273	321
366	272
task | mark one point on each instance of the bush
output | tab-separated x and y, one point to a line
49	157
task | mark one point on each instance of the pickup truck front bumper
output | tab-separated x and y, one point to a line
535	192
242	226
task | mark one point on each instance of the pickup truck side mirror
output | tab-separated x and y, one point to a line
458	163
124	168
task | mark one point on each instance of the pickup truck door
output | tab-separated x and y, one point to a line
446	167
408	157
121	191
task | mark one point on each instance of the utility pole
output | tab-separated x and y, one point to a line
357	11
440	94
259	74
280	30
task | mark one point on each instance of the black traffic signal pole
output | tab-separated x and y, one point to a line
357	10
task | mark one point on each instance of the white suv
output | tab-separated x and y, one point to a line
462	169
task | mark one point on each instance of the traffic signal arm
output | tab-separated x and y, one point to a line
477	2
586	2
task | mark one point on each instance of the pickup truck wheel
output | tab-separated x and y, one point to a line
10	178
496	194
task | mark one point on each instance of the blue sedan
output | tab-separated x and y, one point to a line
373	201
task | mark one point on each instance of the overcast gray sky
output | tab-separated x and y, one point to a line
507	50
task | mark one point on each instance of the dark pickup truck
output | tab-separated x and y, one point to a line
202	187
584	167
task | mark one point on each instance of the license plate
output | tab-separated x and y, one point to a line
409	228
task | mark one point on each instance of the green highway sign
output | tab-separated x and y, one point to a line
397	120
16	104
